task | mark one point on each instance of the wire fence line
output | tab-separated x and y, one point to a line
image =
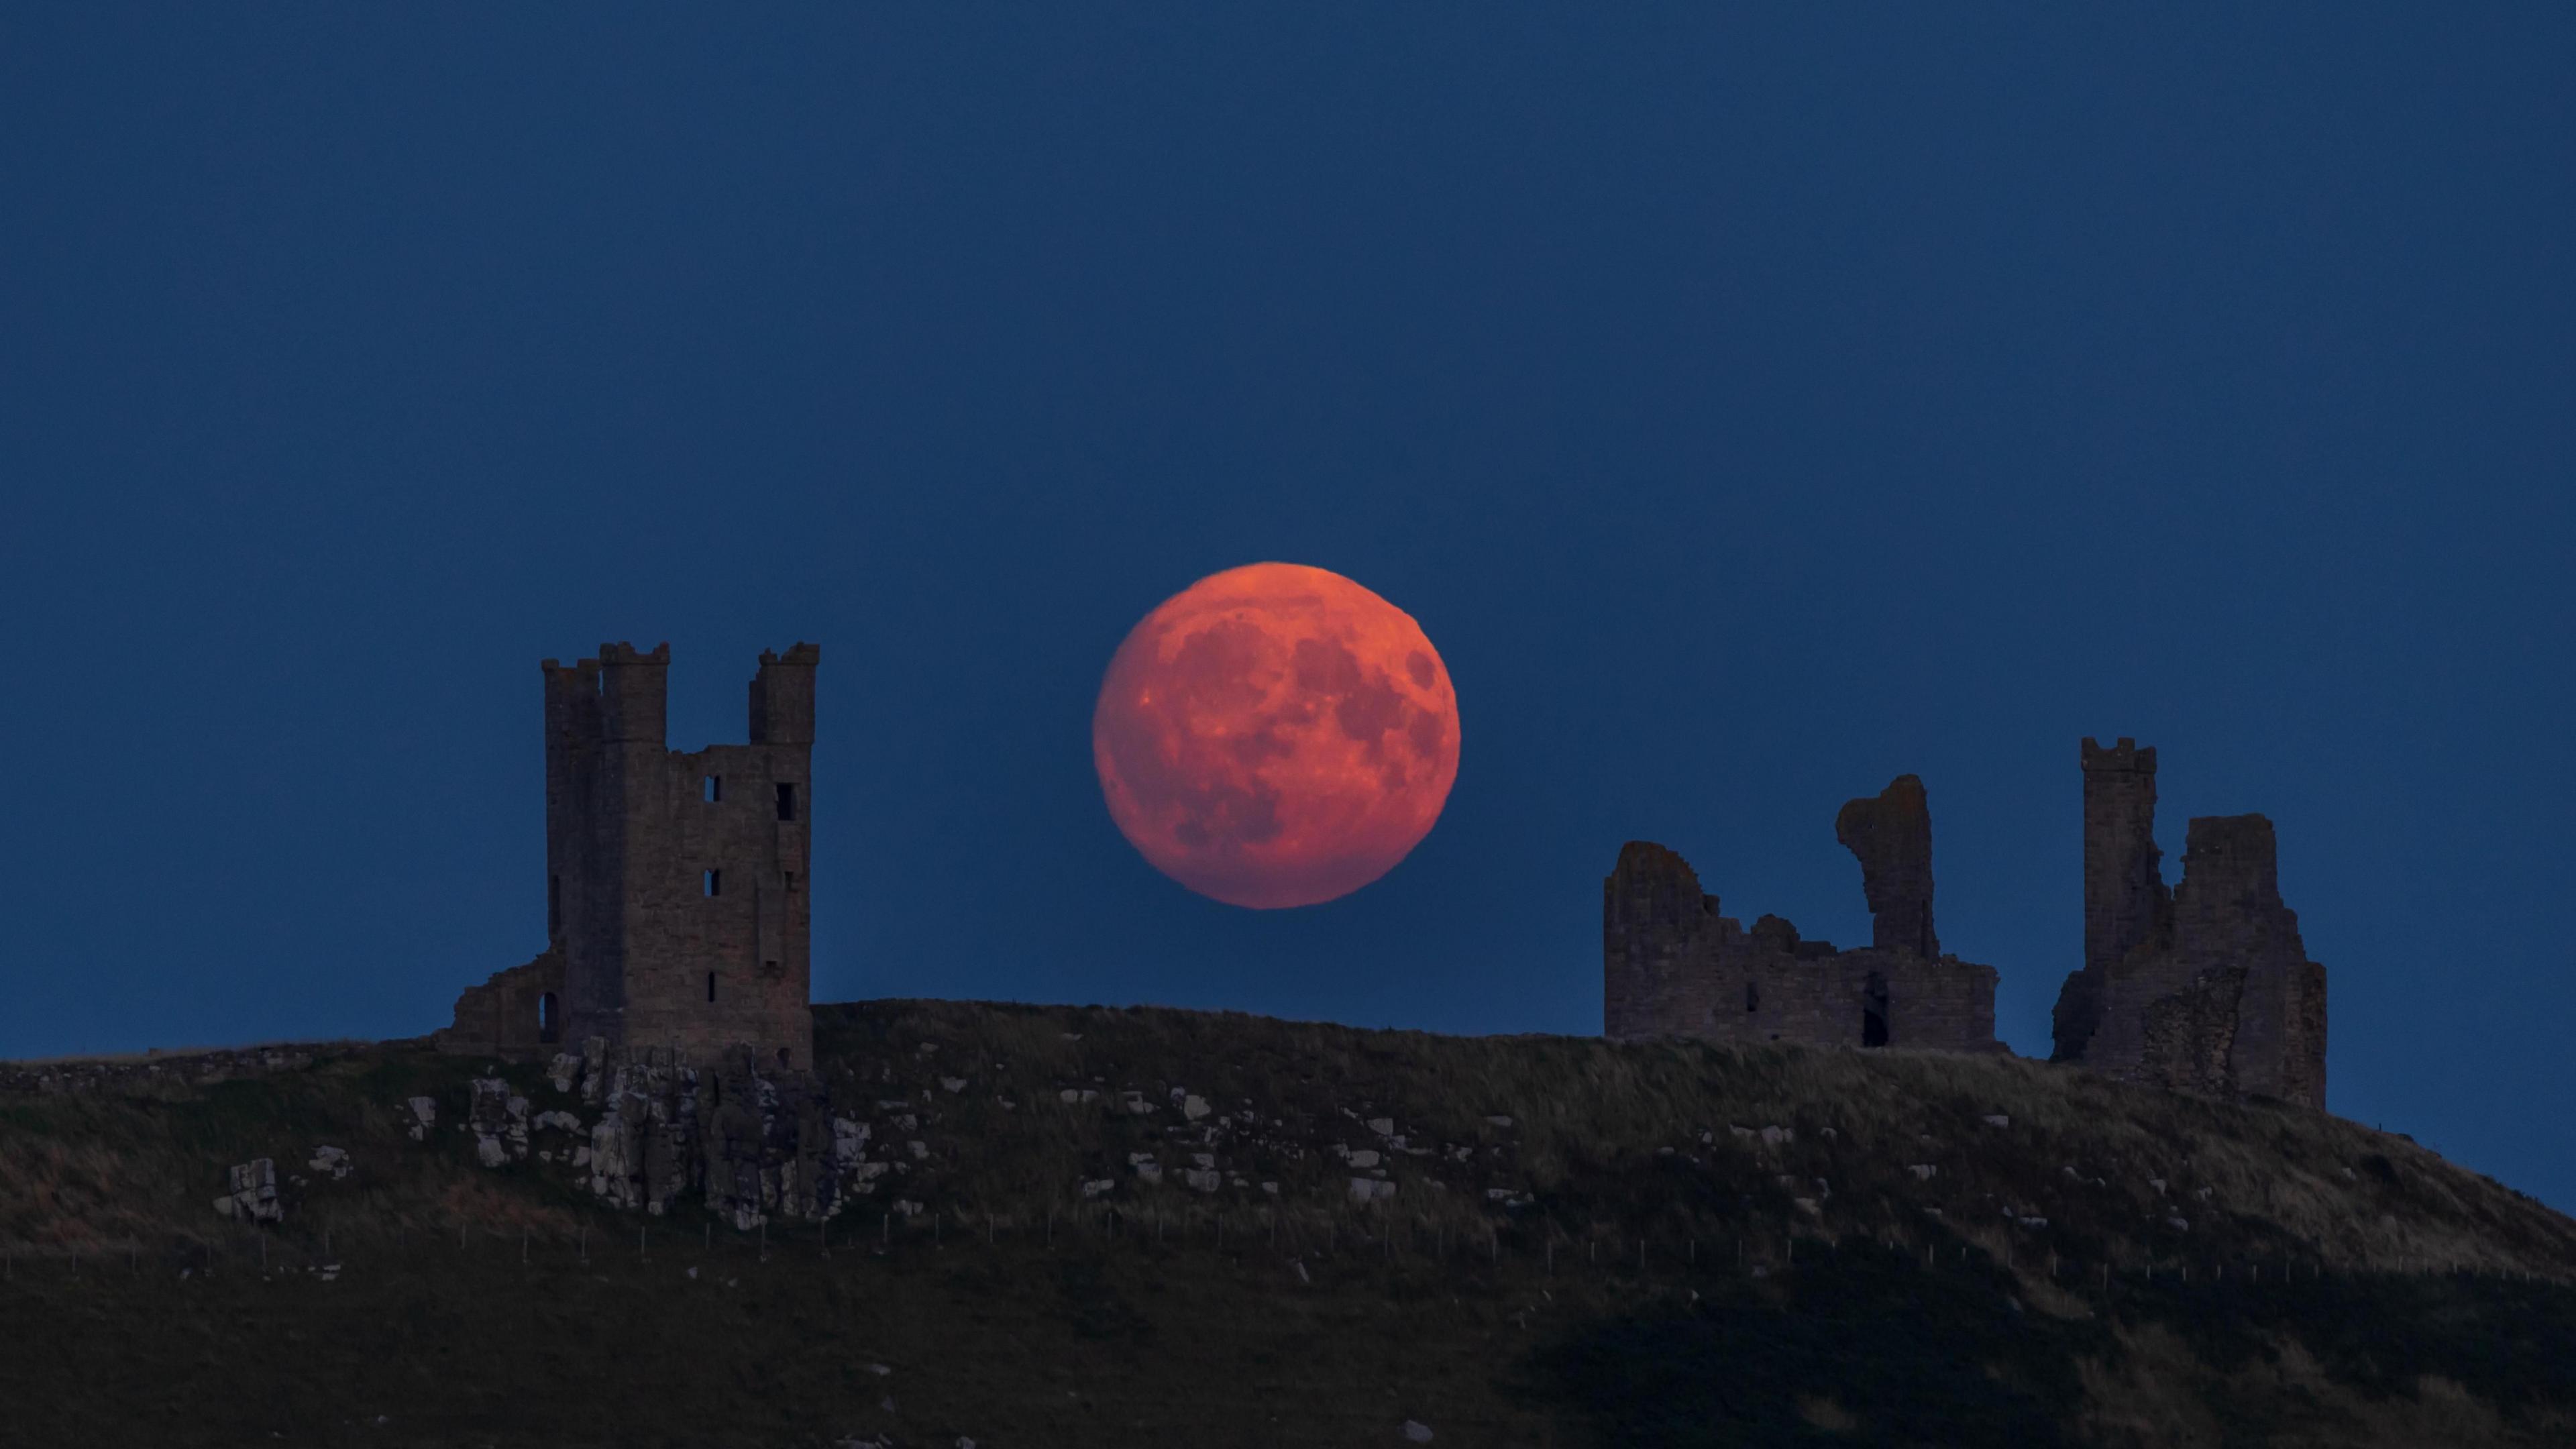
1291	1237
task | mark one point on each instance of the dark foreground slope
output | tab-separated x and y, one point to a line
1586	1243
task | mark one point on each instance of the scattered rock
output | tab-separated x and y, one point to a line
1998	1119
1382	1126
1923	1171
1096	1186
250	1192
1774	1136
920	1150
563	1071
332	1160
954	1085
2180	1225
1364	1157
499	1121
1194	1107
1369	1189
1506	1122
1200	1180
1808	1206
424	1115
1416	1433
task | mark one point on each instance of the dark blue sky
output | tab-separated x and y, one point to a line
1750	408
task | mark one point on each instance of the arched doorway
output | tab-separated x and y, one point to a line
1873	1012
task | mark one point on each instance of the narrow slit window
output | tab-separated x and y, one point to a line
786	800
713	788
1752	997
711	986
549	1025
791	881
715	882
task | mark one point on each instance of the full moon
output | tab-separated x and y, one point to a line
1275	735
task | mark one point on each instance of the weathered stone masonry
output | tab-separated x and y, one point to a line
2207	989
676	883
1674	966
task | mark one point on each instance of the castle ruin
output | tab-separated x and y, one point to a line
676	882
1674	966
2207	987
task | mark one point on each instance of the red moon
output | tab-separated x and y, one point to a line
1275	735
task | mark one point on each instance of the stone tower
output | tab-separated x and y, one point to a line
676	883
2125	902
2208	988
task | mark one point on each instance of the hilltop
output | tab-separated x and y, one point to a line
1083	1225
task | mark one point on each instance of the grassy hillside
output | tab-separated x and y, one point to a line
1585	1243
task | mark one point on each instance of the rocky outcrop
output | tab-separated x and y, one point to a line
753	1144
1892	836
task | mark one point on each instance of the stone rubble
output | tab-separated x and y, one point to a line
250	1192
331	1161
499	1121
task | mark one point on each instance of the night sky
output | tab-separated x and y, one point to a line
1750	408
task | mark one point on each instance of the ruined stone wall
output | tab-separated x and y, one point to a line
2207	989
1892	836
517	1015
676	883
1673	966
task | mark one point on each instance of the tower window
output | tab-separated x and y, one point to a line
715	882
713	789
711	986
1752	997
549	1025
791	881
786	800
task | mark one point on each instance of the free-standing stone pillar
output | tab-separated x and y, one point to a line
1892	836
